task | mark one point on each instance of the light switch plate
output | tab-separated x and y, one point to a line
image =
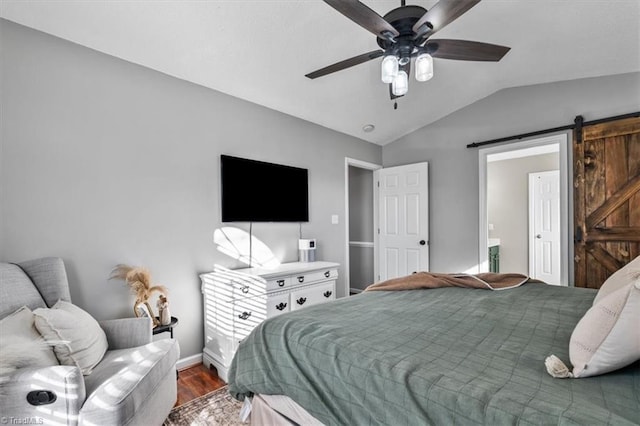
334	219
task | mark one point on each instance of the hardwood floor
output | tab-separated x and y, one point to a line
197	381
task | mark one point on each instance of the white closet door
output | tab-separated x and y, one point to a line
544	226
403	212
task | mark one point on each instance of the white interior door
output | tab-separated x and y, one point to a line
544	226
403	220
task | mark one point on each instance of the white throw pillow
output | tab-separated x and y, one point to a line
21	345
623	276
608	335
77	338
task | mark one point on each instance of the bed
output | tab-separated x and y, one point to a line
437	356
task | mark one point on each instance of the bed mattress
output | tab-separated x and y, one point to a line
438	356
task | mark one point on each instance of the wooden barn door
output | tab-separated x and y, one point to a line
606	199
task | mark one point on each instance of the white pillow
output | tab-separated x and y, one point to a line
77	338
608	335
623	276
21	345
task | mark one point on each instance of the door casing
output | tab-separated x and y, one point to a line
367	166
566	222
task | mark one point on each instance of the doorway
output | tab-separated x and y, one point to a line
360	219
505	230
387	222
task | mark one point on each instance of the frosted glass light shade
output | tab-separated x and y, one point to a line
389	68
400	84
424	67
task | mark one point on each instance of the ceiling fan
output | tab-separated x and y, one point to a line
405	33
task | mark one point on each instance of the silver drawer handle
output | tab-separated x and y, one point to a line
281	306
244	315
328	293
245	289
301	279
280	283
327	274
301	300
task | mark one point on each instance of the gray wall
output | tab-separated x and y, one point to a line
508	206
107	162
361	259
454	168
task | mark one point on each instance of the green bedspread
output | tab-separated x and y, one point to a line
441	356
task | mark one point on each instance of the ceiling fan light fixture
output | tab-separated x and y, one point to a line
424	67
404	34
400	84
389	68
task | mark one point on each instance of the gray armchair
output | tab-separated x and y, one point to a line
134	384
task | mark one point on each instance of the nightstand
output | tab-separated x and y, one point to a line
169	327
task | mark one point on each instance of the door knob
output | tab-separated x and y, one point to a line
538	236
422	242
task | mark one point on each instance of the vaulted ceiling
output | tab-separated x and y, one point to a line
260	51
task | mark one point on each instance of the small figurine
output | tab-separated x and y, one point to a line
163	310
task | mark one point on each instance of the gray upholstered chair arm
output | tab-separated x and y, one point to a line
127	332
65	382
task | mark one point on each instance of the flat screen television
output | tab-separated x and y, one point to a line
256	191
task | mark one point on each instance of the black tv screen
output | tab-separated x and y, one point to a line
255	191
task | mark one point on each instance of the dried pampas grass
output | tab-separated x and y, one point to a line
139	281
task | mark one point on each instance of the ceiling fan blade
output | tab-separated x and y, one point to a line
441	14
347	63
465	50
365	17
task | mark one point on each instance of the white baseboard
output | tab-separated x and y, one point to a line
189	361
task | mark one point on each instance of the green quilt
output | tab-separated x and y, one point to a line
441	356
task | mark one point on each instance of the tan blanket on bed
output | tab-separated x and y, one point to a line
419	280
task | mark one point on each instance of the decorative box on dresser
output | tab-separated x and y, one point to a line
236	301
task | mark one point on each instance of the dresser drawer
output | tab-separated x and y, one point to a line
278	304
250	312
228	286
247	314
314	276
279	283
313	295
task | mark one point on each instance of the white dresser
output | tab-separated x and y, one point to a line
236	301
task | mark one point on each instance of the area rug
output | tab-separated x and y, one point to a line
216	408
